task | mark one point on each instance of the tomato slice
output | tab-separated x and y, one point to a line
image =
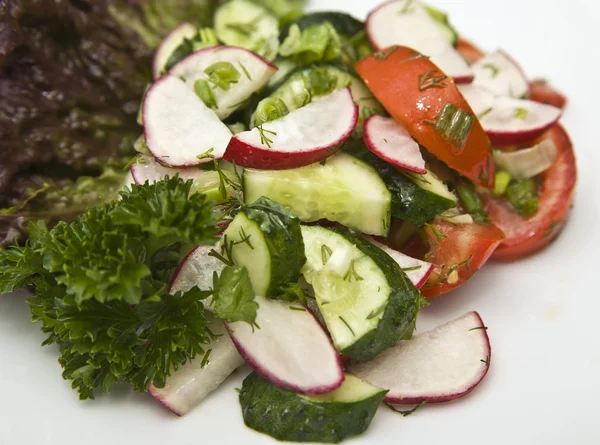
427	103
469	51
457	251
541	91
527	236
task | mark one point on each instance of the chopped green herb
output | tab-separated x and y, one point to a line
326	253
205	360
522	194
347	325
486	361
299	309
222	75
493	68
484	113
471	201
479	328
244	239
429	80
204	92
245	29
245	71
406	8
503	179
377	312
552	228
352	274
454	124
207	154
405	413
23	204
410	269
521	113
264	139
438	234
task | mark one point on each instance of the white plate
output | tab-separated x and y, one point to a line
542	312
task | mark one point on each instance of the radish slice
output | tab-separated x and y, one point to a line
191	383
437	366
305	136
254	72
417	271
407	23
390	141
500	74
507	120
178	127
147	169
197	269
290	349
528	162
169	44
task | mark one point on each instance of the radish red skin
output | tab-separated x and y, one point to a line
500	138
270	158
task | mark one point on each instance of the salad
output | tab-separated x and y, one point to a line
303	186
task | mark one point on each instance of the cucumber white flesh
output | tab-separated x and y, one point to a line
528	162
343	190
431	183
246	24
391	142
407	23
254	71
191	383
197	269
366	300
169	44
267	241
178	127
500	74
416	270
146	169
437	366
289	348
329	418
305	136
509	121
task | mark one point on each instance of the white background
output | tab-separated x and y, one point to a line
542	312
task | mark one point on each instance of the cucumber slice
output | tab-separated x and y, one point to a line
368	303
344	24
246	24
410	202
308	83
328	418
431	183
342	189
266	239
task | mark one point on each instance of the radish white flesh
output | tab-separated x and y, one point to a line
528	162
254	71
437	366
191	383
407	23
417	271
290	349
507	120
147	169
305	136
169	44
178	127
500	74
197	269
390	141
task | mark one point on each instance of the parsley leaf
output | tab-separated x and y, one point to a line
233	296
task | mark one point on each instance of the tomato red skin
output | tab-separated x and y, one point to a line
394	77
459	243
527	236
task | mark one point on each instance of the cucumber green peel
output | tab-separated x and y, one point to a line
366	300
328	418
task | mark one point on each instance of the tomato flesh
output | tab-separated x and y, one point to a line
404	81
457	252
525	236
